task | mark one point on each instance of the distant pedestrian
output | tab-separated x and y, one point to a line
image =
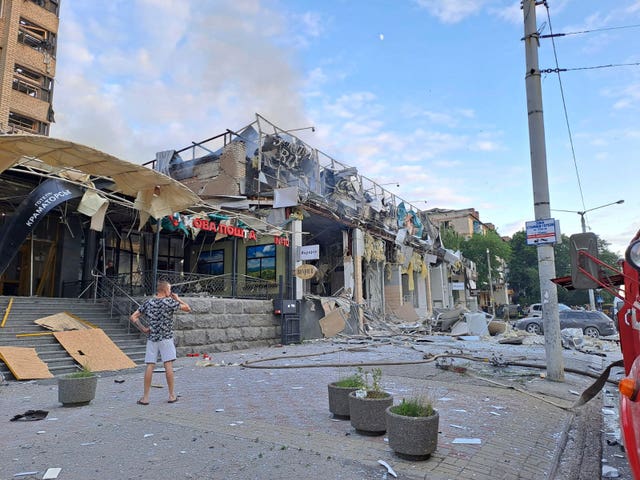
159	312
110	270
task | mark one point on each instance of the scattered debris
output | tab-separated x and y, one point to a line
30	415
24	474
447	364
511	340
147	435
390	470
119	380
457	426
609	472
51	473
466	441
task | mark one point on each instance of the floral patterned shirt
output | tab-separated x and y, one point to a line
159	314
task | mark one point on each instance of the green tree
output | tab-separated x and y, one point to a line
451	239
475	249
523	270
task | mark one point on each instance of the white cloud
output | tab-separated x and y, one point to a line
511	14
452	11
171	72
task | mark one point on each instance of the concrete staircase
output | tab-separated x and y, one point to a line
25	310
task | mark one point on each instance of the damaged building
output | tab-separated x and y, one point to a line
342	251
265	216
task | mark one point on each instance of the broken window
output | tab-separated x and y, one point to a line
32	83
36	37
50	5
261	261
28	124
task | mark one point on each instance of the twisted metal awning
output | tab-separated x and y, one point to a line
155	193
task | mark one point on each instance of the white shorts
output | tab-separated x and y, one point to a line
166	348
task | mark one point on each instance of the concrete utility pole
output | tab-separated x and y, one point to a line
541	203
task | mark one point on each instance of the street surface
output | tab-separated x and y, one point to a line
234	422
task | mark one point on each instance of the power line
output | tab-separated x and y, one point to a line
611	65
589	31
564	106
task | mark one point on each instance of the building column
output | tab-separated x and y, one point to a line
358	251
296	243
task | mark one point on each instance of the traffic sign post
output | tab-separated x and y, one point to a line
543	231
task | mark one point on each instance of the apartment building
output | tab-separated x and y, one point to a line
28	38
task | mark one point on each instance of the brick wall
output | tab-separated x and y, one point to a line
12	52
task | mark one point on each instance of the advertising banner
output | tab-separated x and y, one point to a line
40	201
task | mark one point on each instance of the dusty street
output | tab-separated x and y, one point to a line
270	419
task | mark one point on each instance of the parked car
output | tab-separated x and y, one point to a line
593	323
535	309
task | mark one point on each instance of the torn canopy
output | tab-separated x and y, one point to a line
156	194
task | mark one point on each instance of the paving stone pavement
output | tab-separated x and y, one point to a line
272	420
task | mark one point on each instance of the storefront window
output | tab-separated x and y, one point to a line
211	263
261	261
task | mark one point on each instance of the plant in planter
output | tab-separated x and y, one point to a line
367	405
412	428
77	388
339	394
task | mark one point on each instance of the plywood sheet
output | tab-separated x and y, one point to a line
406	313
93	349
333	323
24	363
328	305
61	321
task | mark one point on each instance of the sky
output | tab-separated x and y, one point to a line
425	94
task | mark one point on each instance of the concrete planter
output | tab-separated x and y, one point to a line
367	414
413	438
339	400
76	391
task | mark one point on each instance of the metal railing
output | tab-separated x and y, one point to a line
140	284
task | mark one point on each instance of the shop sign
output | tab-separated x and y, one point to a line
305	271
309	252
209	226
284	241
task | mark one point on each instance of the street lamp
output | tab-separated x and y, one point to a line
312	128
592	302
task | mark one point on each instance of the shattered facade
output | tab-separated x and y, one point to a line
371	247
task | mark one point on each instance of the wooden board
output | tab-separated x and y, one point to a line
24	363
94	349
406	313
333	323
61	321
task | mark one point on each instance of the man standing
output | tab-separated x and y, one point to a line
159	312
